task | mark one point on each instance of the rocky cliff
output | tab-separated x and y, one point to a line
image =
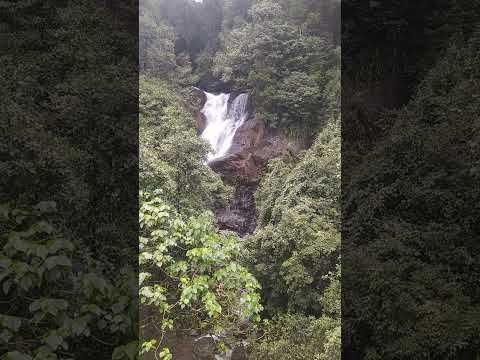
253	145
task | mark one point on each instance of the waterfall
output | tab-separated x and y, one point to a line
222	121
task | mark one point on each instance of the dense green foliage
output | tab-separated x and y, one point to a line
63	307
190	277
296	336
398	41
178	39
295	251
298	239
53	155
412	220
157	47
286	54
409	179
68	104
287	66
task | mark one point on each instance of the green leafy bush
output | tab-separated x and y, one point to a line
190	276
294	253
286	68
55	307
412	222
297	241
297	337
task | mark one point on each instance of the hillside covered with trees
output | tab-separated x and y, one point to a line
408	75
273	293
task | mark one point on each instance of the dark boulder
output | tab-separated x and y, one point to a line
200	121
240	215
204	348
253	146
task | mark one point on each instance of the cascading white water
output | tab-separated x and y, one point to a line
223	121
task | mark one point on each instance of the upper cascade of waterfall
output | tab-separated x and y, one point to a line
222	121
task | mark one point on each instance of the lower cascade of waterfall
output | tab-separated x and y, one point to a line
222	121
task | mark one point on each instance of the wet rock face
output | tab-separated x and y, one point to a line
200	98
200	121
204	348
198	102
253	146
240	216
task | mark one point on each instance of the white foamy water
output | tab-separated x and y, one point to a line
223	121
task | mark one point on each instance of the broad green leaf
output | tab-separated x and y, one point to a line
53	340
